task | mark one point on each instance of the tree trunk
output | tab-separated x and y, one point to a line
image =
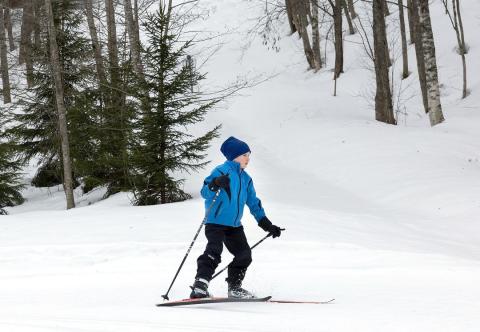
8	26
133	38
26	31
59	97
411	22
25	53
462	49
351	30
337	23
96	45
112	45
351	8
135	20
37	27
300	21
3	58
419	54
385	8
114	142
316	36
383	96
460	25
404	40
433	90
288	6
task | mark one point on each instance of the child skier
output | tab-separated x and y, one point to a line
223	224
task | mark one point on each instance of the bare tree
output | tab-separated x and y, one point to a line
351	30
351	9
411	23
337	23
59	97
419	53
8	26
26	31
316	35
3	58
299	13
25	52
457	25
112	45
37	26
383	96
133	37
385	8
95	44
403	34
288	6
136	19
433	90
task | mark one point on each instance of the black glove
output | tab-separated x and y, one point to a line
267	226
222	181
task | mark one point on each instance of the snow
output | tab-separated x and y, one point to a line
384	219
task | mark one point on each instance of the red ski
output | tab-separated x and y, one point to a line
209	300
301	302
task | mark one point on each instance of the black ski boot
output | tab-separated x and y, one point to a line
236	291
199	289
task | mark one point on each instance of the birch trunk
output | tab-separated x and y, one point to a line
316	36
433	91
419	54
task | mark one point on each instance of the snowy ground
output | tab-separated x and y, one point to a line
383	219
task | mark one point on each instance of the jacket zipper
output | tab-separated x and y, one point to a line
238	197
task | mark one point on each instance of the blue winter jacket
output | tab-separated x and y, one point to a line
229	210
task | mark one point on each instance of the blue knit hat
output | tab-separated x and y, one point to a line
233	147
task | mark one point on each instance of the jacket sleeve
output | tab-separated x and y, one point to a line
254	203
205	191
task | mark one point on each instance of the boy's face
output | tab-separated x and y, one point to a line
243	160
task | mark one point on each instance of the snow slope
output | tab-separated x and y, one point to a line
383	219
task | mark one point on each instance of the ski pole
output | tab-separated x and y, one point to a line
256	244
165	297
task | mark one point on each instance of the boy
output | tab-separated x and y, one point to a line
223	224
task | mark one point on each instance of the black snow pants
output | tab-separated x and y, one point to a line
236	243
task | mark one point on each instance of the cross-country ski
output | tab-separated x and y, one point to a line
240	166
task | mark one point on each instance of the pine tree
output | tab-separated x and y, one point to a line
162	145
35	127
9	179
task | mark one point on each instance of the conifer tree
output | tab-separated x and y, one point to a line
163	147
9	179
35	128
